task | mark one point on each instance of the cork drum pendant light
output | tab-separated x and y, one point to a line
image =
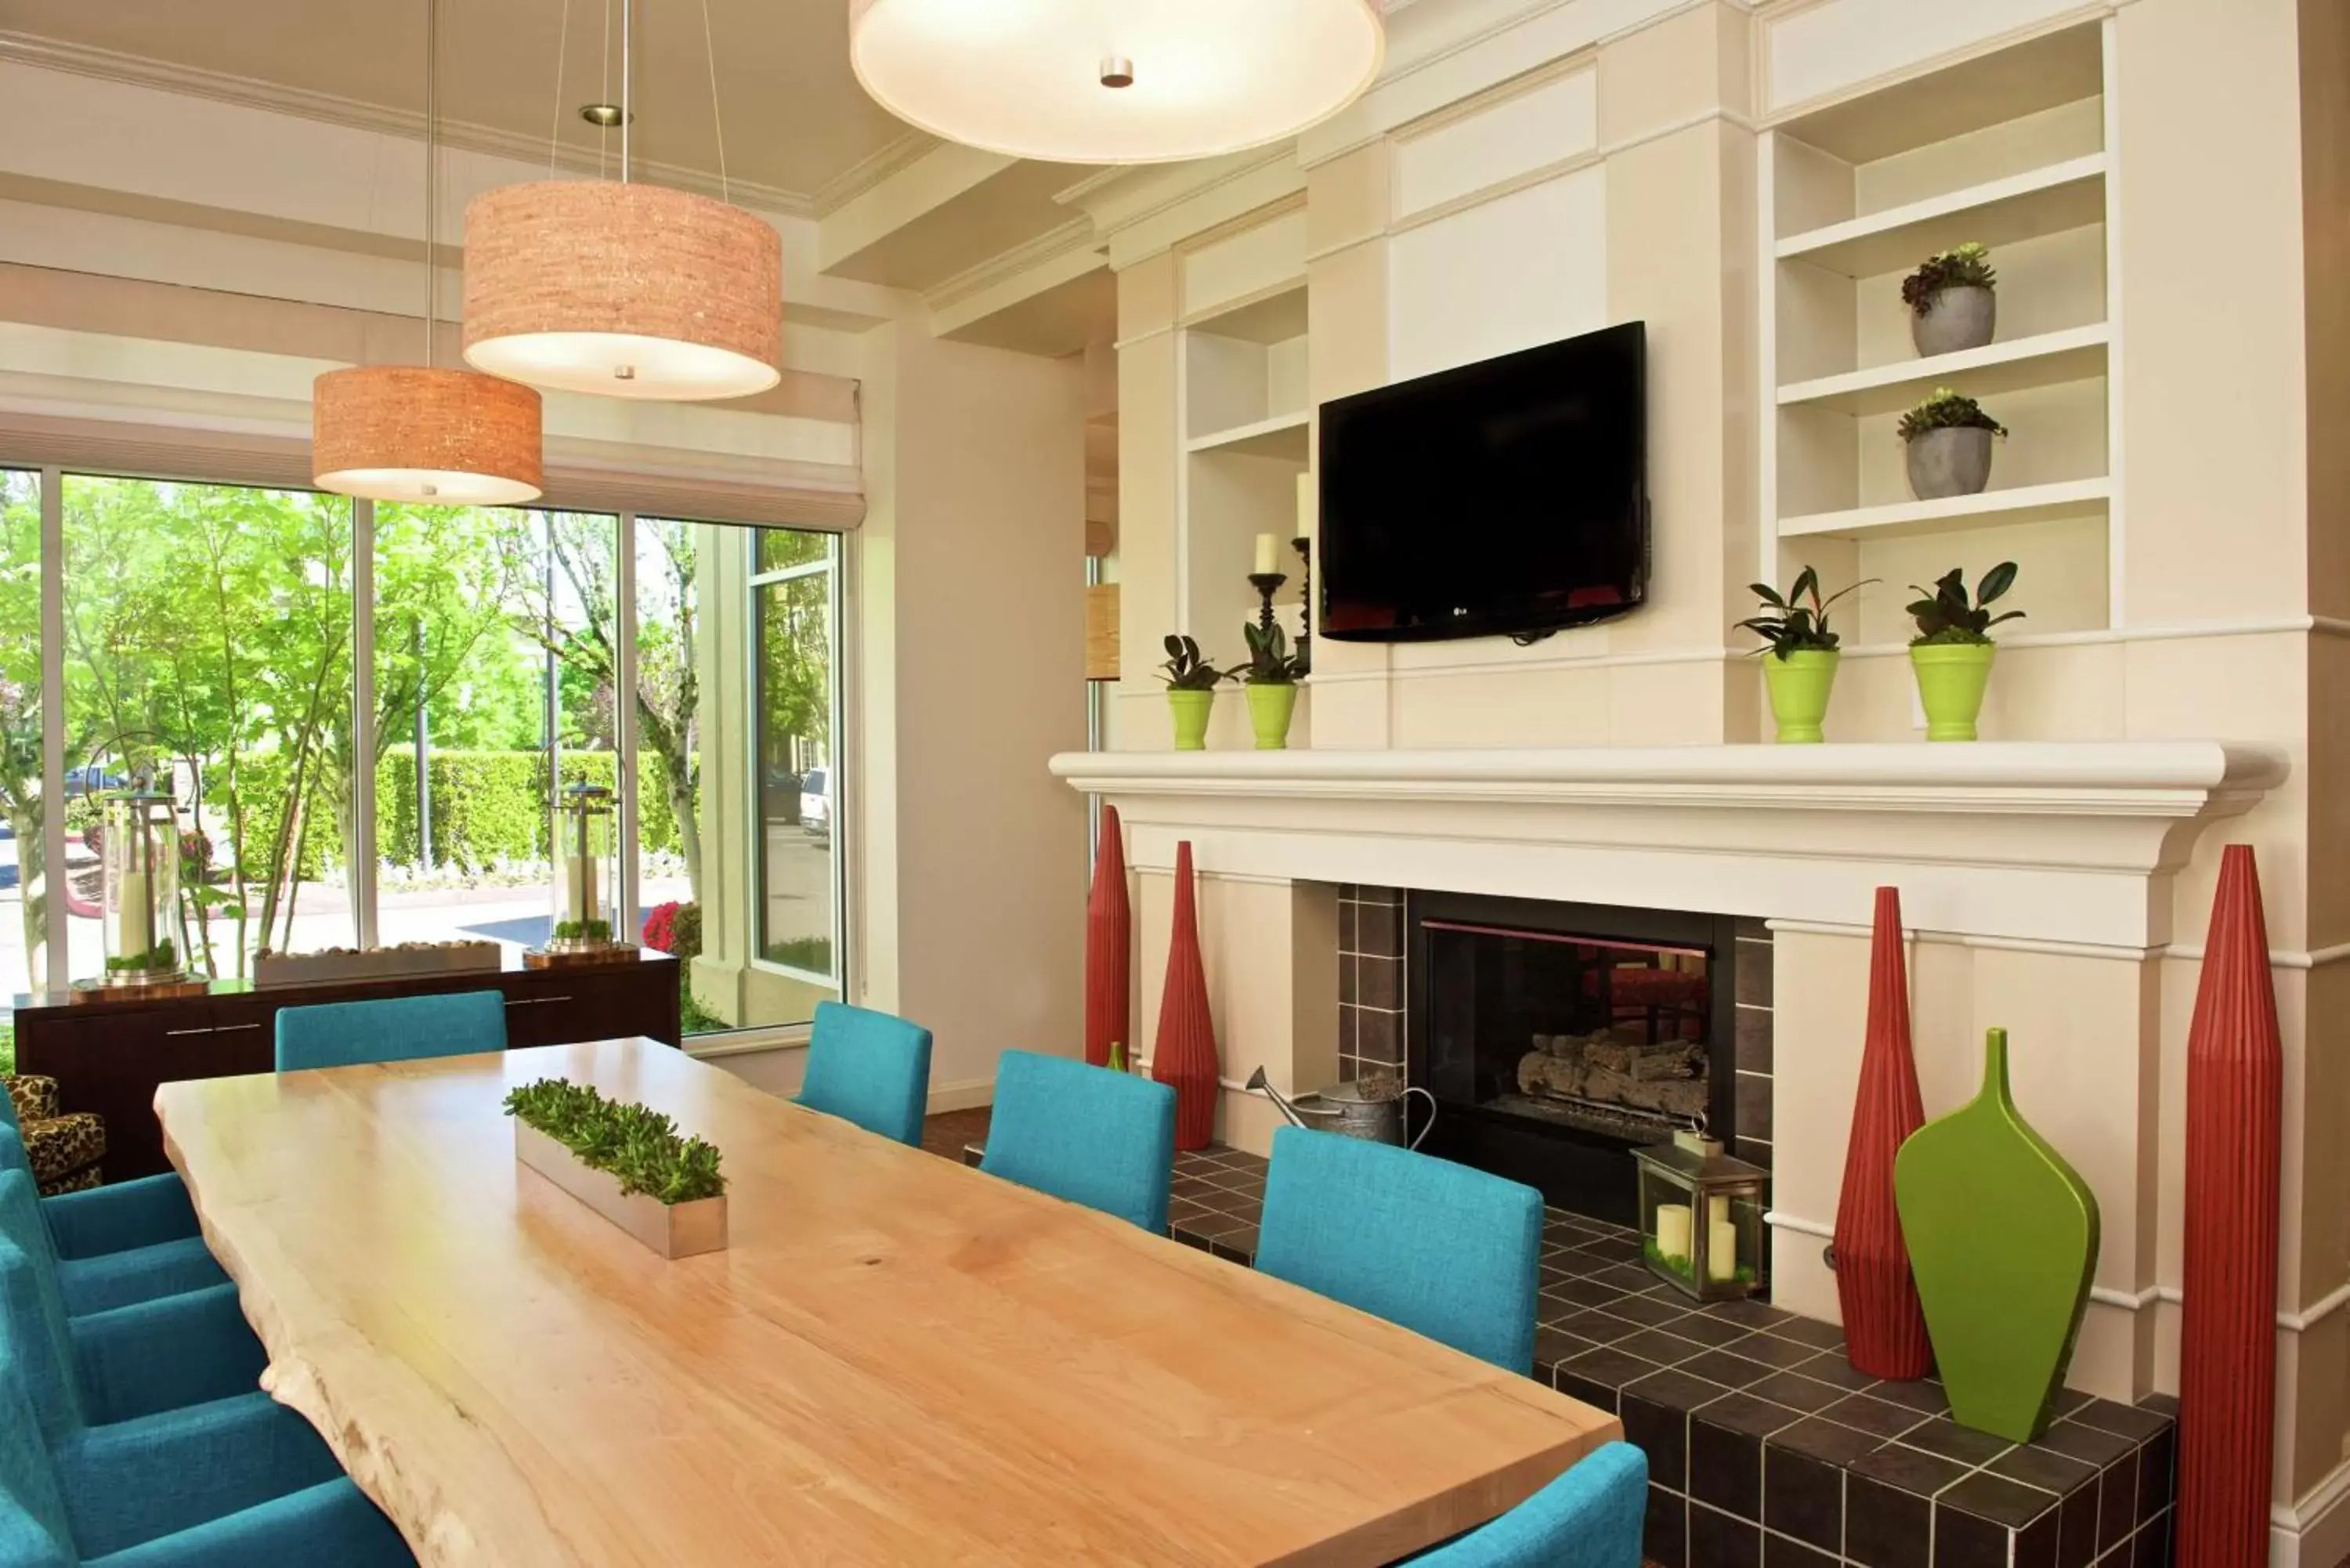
623	289
1115	81
417	432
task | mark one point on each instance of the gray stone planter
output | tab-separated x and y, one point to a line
1950	462
1955	319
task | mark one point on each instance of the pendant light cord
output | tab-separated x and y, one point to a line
718	120
554	131
628	81
431	175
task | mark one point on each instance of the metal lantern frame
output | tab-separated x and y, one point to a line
587	869
1696	1204
141	870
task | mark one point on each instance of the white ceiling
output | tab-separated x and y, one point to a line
795	118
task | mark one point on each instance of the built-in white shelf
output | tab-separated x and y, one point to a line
2044	359
2026	503
2045	201
1282	435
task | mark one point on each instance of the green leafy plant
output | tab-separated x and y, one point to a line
164	954
1270	661
1186	670
1790	626
1948	410
635	1143
591	930
1964	266
1945	614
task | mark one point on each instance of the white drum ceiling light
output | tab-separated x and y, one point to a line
1115	81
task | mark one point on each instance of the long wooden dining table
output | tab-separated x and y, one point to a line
897	1359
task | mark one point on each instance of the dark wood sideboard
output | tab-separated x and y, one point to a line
109	1057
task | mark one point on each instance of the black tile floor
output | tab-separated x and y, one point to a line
1765	1447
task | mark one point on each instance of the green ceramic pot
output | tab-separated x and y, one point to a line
1190	709
1270	707
1800	682
1950	680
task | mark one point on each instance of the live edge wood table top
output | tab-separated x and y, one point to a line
897	1359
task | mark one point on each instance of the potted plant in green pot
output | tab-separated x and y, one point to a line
1269	678
1949	441
1952	651
1799	654
1192	684
1953	301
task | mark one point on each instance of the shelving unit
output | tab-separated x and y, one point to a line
2013	149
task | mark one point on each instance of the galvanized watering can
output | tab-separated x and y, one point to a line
1346	1110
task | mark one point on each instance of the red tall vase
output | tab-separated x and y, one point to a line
1185	1053
1884	1326
1109	931
2227	1344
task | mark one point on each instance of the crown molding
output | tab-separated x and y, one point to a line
869	172
246	92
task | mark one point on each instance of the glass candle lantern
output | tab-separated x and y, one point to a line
587	868
142	888
1702	1217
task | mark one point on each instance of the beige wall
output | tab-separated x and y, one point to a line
967	586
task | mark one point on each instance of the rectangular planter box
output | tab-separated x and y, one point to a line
674	1230
376	964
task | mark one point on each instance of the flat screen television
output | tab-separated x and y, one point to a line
1505	498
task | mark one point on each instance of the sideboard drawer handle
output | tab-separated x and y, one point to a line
206	1029
232	1028
534	1001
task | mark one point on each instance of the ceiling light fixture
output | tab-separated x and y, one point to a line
624	289
603	116
417	432
1143	81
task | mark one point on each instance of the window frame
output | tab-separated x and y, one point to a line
832	567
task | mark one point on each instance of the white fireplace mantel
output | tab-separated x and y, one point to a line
2071	844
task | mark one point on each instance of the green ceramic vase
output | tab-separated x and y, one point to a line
1951	677
1800	684
2003	1238
1190	709
1270	707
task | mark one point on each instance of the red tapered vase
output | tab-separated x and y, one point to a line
1185	1053
2227	1341
1884	1326
1109	933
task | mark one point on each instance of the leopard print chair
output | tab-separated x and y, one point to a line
65	1148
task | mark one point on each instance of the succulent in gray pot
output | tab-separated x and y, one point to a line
1949	438
1953	301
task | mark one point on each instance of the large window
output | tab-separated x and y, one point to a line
209	640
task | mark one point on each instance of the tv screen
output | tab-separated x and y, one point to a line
1505	498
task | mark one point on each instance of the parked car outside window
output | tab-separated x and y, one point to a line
815	803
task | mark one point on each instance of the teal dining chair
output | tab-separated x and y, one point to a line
1445	1250
181	1499
1590	1517
394	1029
868	1068
125	1241
1101	1138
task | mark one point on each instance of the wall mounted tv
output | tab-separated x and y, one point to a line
1505	498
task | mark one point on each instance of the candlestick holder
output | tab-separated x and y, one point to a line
1266	585
1305	548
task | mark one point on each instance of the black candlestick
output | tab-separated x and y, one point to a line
1266	584
1305	548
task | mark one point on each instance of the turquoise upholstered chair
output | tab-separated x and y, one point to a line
870	1068
138	1425
175	1498
1588	1517
1101	1138
396	1029
130	1241
1445	1250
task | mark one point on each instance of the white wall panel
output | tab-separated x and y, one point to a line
1840	43
1515	136
1530	267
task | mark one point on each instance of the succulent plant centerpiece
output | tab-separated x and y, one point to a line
1949	437
1954	300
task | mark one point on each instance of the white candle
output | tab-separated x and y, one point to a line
1720	1250
1717	1207
579	886
1673	1230
1268	561
134	930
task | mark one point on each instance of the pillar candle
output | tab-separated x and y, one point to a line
1268	561
1717	1207
1720	1251
1673	1230
134	932
579	886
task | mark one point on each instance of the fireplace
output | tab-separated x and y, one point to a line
1558	1037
